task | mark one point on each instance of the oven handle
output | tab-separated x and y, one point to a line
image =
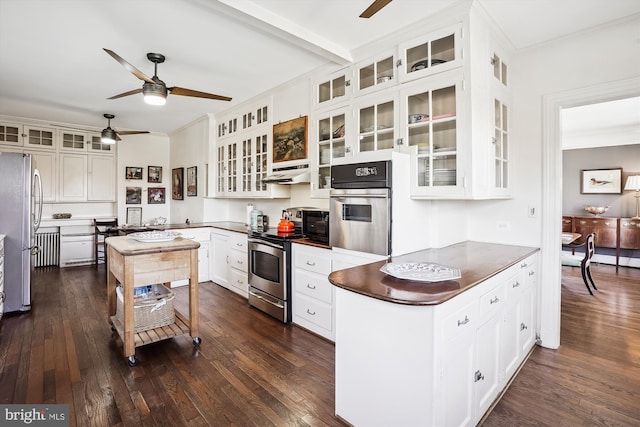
265	300
263	242
342	198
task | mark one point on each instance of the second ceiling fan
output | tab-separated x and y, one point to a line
155	91
374	8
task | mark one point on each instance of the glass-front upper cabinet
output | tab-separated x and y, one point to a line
501	145
96	145
261	162
10	133
375	74
72	141
231	171
39	137
430	54
221	167
255	115
376	124
331	130
332	89
431	124
247	165
227	126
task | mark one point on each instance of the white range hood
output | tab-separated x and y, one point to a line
289	175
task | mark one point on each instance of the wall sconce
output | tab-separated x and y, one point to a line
633	184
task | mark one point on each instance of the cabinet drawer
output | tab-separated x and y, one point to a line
514	286
313	311
238	281
461	321
314	285
310	262
238	260
629	234
238	242
492	301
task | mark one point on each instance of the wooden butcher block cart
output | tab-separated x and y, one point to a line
140	262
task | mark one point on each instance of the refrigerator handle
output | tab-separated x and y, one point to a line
37	217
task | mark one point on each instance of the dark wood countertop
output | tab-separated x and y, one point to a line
238	227
477	262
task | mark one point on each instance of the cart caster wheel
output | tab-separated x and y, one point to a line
197	341
132	360
113	329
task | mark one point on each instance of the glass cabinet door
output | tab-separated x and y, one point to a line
220	168
39	137
261	159
247	162
431	126
333	89
375	74
232	171
331	145
376	126
501	145
10	133
430	54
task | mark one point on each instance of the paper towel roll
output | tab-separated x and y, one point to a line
249	209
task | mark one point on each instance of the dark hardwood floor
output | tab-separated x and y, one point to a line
253	370
593	378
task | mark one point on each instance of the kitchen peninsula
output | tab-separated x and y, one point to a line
433	353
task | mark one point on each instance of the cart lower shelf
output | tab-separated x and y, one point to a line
180	327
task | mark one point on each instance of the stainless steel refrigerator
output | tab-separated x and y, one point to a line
20	214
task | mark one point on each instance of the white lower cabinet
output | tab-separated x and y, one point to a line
76	249
229	260
203	236
463	352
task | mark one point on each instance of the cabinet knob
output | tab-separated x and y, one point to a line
478	376
523	327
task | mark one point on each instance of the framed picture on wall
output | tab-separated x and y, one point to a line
601	181
132	172
156	195
134	216
290	140
192	181
177	184
154	174
134	196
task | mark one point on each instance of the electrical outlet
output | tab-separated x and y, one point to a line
531	211
503	225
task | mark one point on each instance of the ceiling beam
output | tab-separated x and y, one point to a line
292	32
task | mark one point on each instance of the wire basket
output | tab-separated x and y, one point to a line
152	308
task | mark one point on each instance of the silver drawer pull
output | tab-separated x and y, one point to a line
240	282
524	265
493	301
523	326
240	244
478	376
531	273
310	286
463	322
516	284
311	313
240	262
311	263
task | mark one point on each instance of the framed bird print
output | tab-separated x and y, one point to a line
601	181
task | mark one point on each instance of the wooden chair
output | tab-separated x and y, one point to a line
584	262
101	230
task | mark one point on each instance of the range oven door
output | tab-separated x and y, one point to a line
360	220
267	268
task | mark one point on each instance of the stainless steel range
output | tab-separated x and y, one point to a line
270	271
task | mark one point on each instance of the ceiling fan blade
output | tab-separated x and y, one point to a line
374	8
131	92
131	132
139	74
188	92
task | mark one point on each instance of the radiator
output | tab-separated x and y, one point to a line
49	253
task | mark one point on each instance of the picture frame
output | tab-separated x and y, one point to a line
134	196
177	184
192	181
133	172
154	174
601	181
156	195
134	217
290	140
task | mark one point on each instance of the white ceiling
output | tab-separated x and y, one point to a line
52	64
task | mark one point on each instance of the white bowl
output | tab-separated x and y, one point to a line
596	210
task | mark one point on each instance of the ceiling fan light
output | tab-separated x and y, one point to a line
154	94
108	136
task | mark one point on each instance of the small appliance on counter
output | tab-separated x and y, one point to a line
315	225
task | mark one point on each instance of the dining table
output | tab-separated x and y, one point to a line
568	238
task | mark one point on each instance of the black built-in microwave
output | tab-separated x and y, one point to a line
315	225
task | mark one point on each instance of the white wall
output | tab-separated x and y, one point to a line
143	151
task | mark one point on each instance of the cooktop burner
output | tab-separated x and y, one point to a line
273	233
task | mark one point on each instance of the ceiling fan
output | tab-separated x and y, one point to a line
110	135
374	8
155	90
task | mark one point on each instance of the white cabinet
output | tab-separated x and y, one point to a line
312	292
332	89
203	236
229	260
376	118
455	368
47	165
39	137
11	134
73	177
101	178
70	140
375	73
330	132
